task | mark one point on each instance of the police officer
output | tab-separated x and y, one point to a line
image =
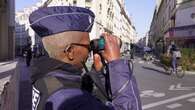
57	79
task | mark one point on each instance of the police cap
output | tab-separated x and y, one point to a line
52	20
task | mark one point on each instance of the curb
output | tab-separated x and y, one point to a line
190	72
186	72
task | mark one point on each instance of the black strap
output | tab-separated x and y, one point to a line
107	84
87	83
107	80
99	84
97	81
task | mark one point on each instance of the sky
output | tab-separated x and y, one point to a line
20	4
141	12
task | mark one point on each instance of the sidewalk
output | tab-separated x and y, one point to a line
20	85
160	67
153	64
190	72
6	70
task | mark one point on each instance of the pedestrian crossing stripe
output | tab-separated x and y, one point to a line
162	102
191	100
173	106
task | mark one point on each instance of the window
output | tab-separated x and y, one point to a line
108	2
169	11
100	9
108	12
74	3
193	16
88	0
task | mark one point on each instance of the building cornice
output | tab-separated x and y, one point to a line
123	12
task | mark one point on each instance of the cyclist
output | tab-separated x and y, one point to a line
175	53
147	53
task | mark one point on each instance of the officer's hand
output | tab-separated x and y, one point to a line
97	62
112	48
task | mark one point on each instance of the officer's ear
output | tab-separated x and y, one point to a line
69	51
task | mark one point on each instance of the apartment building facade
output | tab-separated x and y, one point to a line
111	17
173	20
7	9
24	33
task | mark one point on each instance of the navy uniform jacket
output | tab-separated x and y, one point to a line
123	85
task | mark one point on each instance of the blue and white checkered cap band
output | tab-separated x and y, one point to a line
52	20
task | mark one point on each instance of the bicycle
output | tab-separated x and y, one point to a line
180	72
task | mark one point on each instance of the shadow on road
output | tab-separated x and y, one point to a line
158	71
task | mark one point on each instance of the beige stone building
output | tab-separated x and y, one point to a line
7	10
173	20
111	17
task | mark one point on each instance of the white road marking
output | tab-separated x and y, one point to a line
179	87
176	88
148	62
141	62
146	93
173	106
191	100
155	104
151	93
158	95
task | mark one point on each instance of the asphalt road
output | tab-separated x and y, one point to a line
160	91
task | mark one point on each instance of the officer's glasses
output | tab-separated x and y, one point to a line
87	46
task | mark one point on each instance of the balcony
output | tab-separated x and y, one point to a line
184	32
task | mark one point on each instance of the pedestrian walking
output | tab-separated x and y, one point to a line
132	51
28	53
